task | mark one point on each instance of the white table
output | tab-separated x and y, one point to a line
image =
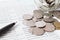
12	10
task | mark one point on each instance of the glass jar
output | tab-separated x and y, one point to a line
44	6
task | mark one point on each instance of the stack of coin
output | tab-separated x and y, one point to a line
39	23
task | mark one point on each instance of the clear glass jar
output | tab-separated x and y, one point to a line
42	5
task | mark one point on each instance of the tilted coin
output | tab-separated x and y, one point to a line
40	24
38	31
38	14
49	20
49	27
38	11
27	16
36	19
29	23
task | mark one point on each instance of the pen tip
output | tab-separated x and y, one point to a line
16	22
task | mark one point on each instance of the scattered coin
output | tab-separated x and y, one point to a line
49	20
38	31
27	16
38	14
38	11
40	24
29	23
36	19
49	27
57	25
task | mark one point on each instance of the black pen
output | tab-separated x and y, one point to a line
6	28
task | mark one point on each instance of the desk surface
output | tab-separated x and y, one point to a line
13	10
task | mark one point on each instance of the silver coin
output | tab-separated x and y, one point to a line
36	19
38	31
40	24
38	13
49	20
29	23
49	27
27	16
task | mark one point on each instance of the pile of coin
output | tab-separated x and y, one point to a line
40	23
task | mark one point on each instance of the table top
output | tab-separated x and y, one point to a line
13	10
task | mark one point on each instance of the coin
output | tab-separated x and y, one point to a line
38	31
36	19
57	25
38	14
49	27
29	23
40	24
27	16
49	20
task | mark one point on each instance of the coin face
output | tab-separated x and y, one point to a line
40	24
49	27
27	16
49	20
38	14
57	25
29	23
36	19
38	31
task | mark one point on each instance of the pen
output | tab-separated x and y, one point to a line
6	28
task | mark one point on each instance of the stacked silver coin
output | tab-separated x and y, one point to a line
39	22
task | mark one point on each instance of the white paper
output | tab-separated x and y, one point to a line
13	10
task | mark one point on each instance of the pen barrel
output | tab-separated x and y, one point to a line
8	26
6	29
